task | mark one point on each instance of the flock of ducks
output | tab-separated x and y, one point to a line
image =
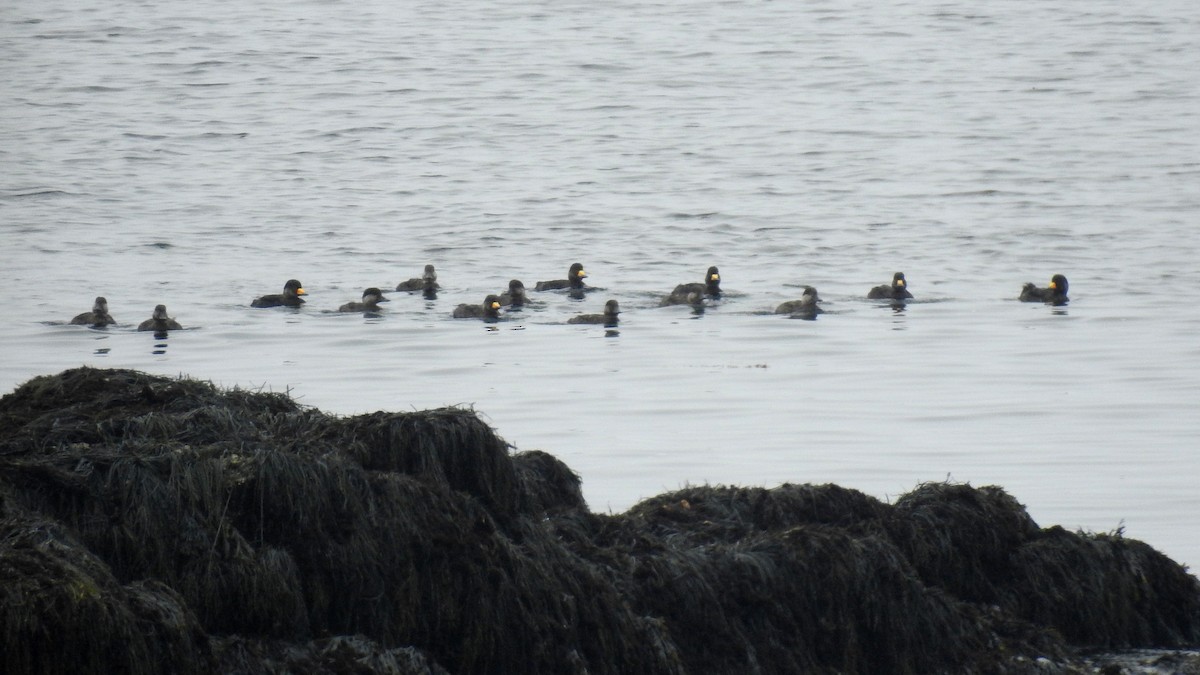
695	294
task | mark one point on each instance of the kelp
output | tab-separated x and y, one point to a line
151	523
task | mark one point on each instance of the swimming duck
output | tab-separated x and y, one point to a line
898	290
1055	294
371	298
488	311
608	318
805	306
515	296
290	297
427	282
695	293
160	322
99	315
574	280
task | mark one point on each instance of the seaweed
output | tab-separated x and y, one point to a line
151	524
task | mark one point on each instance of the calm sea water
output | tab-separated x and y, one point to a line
201	153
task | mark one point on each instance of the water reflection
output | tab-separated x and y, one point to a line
898	318
160	343
102	351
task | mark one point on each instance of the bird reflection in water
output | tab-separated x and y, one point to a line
898	318
160	343
102	351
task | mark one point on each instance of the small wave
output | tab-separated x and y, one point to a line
65	35
972	193
215	135
94	89
605	107
351	130
608	67
39	194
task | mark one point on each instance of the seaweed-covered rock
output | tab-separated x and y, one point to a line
64	612
960	537
1103	590
151	524
547	485
449	446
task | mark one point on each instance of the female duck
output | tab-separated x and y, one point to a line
515	295
426	283
98	317
608	318
371	298
806	306
160	322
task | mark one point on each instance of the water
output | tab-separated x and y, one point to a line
199	154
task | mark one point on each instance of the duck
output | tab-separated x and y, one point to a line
574	280
489	310
515	295
160	322
371	298
292	290
696	292
1054	294
805	306
427	282
898	290
608	318
99	315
